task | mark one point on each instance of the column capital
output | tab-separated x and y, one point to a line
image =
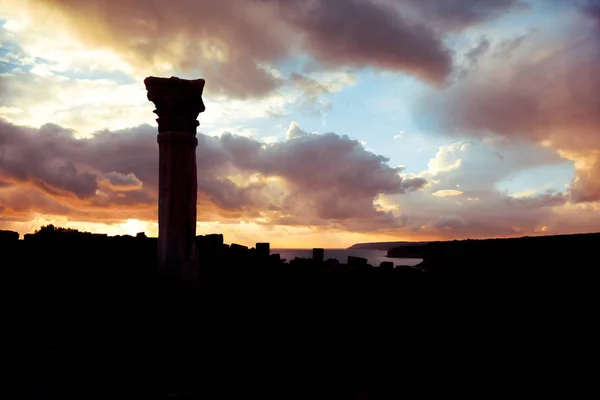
178	102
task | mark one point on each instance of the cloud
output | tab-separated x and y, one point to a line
233	43
545	93
104	102
478	51
315	88
463	197
314	179
294	131
122	181
447	193
81	104
475	166
472	57
308	85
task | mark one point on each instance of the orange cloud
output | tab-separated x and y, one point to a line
112	177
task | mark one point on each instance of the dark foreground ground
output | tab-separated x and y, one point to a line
95	322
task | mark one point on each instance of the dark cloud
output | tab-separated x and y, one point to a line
592	9
100	170
230	41
39	159
450	222
459	14
548	199
326	176
318	177
363	33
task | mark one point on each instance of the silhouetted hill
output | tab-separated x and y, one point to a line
98	322
530	255
408	251
384	245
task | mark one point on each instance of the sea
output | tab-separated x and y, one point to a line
375	257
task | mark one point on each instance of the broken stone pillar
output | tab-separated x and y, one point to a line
318	255
178	103
263	250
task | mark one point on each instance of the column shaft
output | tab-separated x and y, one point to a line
177	205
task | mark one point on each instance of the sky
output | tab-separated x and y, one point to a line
327	123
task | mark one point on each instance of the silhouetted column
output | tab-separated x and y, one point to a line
178	103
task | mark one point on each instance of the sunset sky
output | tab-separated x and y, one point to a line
327	122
